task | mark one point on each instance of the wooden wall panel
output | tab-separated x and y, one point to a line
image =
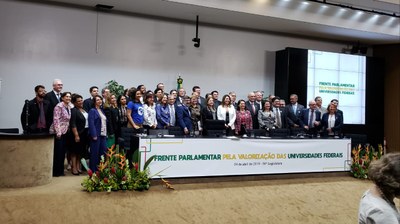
391	102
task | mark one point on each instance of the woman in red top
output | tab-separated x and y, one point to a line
244	122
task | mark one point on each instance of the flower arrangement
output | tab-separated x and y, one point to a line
114	173
362	158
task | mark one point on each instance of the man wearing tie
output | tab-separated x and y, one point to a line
172	110
295	109
183	116
253	107
278	111
259	97
54	96
311	118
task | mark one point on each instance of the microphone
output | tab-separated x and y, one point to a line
26	116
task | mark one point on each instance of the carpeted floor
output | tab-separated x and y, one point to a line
297	200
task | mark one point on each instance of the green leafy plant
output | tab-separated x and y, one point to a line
114	173
362	156
115	88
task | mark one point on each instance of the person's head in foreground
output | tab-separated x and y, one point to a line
377	204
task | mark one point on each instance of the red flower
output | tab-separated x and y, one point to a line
360	162
124	178
97	173
356	169
90	172
136	166
105	180
113	170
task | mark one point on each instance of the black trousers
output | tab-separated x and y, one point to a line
59	155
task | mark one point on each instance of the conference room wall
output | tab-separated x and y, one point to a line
40	42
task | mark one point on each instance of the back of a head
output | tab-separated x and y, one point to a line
385	173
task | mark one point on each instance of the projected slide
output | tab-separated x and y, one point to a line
338	76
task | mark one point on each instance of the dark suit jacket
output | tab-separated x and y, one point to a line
284	116
294	118
205	116
94	123
305	116
77	120
217	103
33	116
88	104
202	101
338	123
52	98
112	120
254	116
183	118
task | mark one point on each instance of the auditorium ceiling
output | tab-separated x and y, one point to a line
311	19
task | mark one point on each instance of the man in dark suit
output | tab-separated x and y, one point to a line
294	110
181	95
215	95
88	103
54	96
253	107
280	113
183	117
36	115
201	100
311	118
259	97
172	110
336	103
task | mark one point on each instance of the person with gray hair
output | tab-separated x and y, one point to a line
377	205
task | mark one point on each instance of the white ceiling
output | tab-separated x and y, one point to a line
291	17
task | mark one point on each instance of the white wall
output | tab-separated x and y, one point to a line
39	43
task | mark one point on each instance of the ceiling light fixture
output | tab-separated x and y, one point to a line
356	8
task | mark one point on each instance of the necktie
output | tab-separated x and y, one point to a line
311	123
254	108
172	115
58	97
278	118
294	109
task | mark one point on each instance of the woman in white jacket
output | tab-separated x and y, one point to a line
227	113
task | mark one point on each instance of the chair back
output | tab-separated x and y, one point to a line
279	133
125	139
175	130
296	131
259	132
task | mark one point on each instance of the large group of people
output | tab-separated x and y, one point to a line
85	128
96	122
